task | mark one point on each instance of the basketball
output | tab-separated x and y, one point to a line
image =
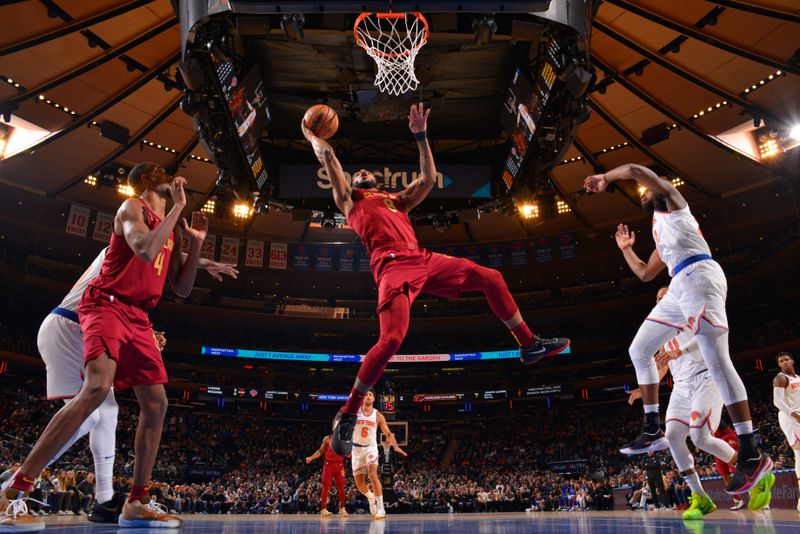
322	120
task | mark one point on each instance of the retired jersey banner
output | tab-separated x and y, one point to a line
184	242
566	246
346	259
277	255
254	255
323	258
362	260
300	257
103	226
230	250
208	248
452	181
473	252
518	253
494	255
78	220
544	250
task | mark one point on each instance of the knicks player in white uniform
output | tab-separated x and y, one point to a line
365	452
695	300
60	343
695	408
786	396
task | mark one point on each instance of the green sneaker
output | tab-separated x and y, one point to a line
761	493
701	506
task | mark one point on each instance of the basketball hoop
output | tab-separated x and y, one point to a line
387	447
393	41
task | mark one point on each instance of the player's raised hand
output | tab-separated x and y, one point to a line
199	227
634	395
308	459
625	238
176	191
595	183
161	340
398	450
217	269
418	118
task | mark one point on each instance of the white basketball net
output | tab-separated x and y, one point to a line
393	41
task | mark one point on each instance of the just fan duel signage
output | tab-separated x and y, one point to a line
357	358
452	181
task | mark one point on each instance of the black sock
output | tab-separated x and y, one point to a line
748	446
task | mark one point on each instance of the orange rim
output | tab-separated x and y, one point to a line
361	43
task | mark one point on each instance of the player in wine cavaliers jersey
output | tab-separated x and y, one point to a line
402	270
786	397
333	470
727	434
696	300
119	345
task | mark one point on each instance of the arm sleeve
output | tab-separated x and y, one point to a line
779	399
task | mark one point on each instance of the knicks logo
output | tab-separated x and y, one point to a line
696	416
370	458
691	322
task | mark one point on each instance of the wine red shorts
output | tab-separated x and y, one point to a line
124	332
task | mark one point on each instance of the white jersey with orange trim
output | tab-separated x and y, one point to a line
690	363
677	236
73	298
792	395
366	430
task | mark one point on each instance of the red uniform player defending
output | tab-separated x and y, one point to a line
728	435
403	270
119	344
332	470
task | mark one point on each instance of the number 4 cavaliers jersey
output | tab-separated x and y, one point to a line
366	431
127	277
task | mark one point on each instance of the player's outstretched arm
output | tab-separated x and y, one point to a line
144	242
182	273
644	177
319	452
389	435
327	157
419	188
645	271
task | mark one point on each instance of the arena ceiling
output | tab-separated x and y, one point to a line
702	68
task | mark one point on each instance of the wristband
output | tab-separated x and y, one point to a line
420	136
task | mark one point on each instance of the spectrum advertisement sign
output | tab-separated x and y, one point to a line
357	358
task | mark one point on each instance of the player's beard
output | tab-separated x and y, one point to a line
649	207
364	184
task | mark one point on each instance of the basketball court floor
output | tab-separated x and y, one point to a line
721	522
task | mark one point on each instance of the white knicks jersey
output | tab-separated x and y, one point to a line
75	294
366	431
689	364
792	395
678	237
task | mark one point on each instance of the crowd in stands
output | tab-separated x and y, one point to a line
239	461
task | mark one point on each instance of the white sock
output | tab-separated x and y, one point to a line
370	496
651	408
745	427
693	481
797	466
380	502
102	441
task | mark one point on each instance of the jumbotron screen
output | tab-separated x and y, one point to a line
523	109
247	103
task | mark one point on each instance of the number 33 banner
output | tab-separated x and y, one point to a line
255	254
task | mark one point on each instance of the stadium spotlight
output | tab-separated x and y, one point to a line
485	29
126	190
242	210
292	24
794	132
210	206
529	211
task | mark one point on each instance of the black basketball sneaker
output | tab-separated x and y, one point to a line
107	512
342	437
651	439
542	347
